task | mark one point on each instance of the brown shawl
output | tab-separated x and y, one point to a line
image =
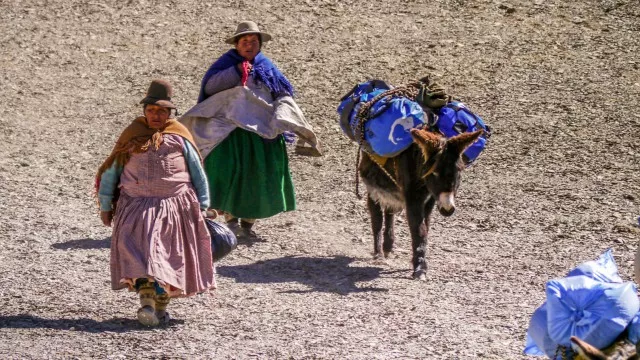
137	138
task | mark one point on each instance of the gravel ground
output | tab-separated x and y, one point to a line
558	81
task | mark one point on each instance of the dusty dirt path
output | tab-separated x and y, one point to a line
558	81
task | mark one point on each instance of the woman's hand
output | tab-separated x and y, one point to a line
106	217
210	214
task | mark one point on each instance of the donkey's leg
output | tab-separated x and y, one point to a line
375	211
389	236
418	229
428	209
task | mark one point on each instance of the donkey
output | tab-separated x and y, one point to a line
621	349
425	175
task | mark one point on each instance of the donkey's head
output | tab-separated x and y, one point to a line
442	164
620	350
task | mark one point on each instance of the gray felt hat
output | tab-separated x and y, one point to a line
245	28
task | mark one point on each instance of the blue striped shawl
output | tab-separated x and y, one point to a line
263	69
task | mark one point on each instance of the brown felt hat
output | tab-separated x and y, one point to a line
159	93
245	28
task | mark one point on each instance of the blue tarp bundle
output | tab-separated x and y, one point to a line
390	120
455	118
592	303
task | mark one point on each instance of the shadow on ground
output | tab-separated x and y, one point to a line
322	274
83	244
26	321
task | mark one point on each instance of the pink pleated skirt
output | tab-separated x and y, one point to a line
164	239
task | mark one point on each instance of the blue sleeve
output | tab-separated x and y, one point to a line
108	184
198	177
223	80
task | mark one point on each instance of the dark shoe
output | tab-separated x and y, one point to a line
163	317
247	233
234	227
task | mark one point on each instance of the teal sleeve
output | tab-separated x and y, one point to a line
108	184
198	177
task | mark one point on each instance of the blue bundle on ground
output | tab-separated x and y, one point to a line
592	303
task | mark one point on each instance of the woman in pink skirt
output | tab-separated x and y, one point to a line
153	189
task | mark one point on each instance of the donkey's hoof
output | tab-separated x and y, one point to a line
420	275
389	253
379	259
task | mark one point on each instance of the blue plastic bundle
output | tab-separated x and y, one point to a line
455	118
633	333
223	241
592	303
386	130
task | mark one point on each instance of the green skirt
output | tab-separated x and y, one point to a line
248	177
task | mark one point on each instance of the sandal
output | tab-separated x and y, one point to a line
147	316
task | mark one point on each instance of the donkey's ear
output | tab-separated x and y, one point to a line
588	351
460	143
429	142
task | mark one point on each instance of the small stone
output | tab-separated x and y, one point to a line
507	8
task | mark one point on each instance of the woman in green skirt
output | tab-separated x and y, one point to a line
248	175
